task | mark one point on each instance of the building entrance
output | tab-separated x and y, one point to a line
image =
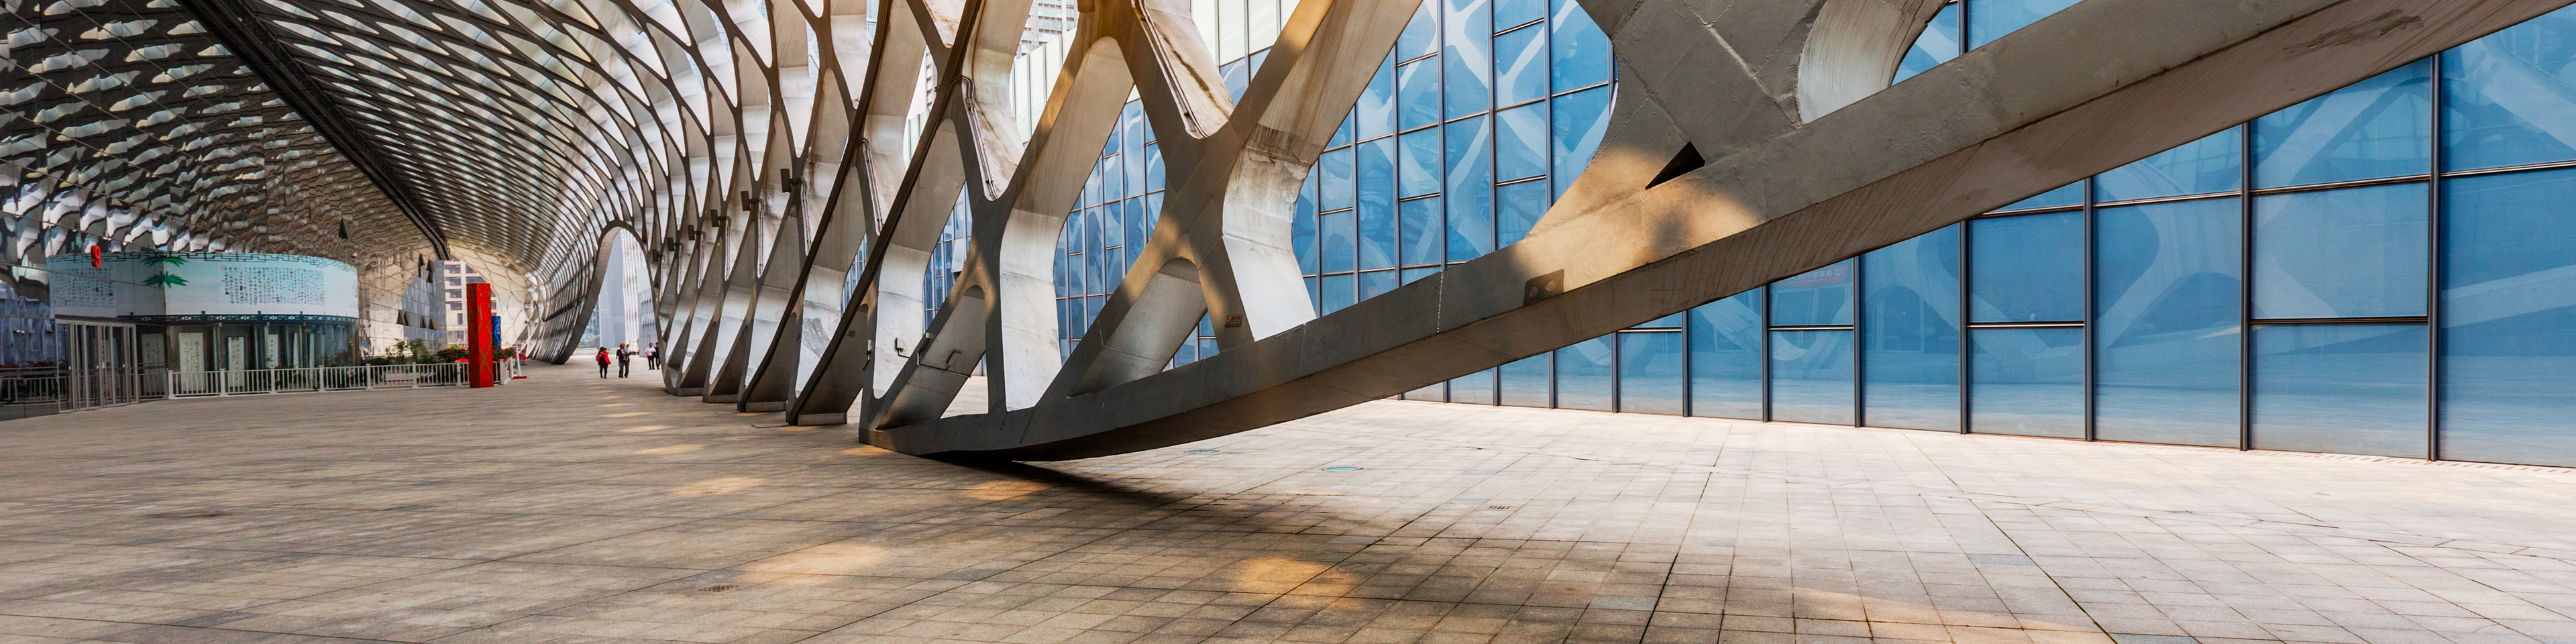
104	365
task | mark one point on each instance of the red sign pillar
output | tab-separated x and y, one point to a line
478	334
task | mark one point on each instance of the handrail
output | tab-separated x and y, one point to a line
200	384
26	396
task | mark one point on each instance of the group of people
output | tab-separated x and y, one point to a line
652	357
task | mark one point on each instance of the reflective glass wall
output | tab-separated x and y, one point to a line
2381	270
2386	270
1483	114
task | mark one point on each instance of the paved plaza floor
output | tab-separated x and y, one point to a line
571	509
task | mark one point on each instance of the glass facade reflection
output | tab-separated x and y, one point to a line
2385	269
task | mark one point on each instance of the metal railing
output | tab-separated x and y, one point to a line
25	396
198	384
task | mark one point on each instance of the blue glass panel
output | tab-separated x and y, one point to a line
2355	252
1113	224
1514	13
1077	275
1091	219
1116	132
1814	298
1938	44
1337	292
2344	388
1520	66
2028	268
2380	127
1301	230
2066	195
1153	167
1413	274
1376	283
1342	135
1376	237
1377	202
1063	272
1650	372
1377	205
1314	292
1188	353
1581	118
1519	207
1376	110
2199	167
1419	172
1910	332
1132	165
1475	388
1421	35
2505	97
1811	377
1520	142
1467	63
2027	381
1673	321
1991	19
1584	371
1340	251
1141	227
1582	51
1132	155
1420	228
2509	318
1726	357
1470	193
1418	93
2165	327
1525	381
1338	189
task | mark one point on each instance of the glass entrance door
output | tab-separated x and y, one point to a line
105	365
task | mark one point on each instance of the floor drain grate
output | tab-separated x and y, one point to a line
718	588
1498	507
185	515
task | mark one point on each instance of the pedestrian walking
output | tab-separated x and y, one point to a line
653	356
624	351
603	362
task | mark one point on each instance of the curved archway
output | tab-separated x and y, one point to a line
622	303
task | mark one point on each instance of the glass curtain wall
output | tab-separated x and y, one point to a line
2382	270
1481	116
1111	224
947	259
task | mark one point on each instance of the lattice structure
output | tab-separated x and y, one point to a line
791	167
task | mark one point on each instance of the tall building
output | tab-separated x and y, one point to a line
452	277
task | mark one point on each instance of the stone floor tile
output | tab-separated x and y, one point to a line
380	516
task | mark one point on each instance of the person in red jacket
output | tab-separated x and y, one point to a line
603	362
